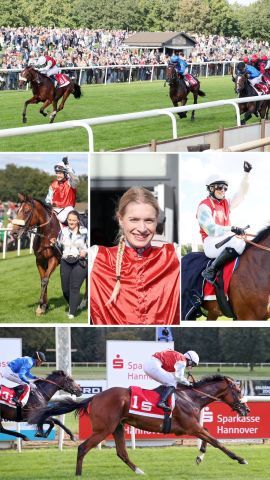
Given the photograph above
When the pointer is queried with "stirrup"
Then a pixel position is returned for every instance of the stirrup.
(164, 406)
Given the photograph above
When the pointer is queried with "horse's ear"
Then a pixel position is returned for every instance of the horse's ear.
(21, 197)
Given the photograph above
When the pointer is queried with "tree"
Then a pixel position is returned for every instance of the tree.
(192, 16)
(222, 20)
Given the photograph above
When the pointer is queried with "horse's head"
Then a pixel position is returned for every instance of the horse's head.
(232, 395)
(240, 82)
(25, 216)
(65, 382)
(29, 74)
(171, 73)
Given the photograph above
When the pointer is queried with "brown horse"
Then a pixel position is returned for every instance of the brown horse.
(244, 89)
(39, 397)
(250, 284)
(34, 214)
(109, 411)
(44, 91)
(179, 90)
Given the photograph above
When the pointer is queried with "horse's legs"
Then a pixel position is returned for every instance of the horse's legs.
(119, 437)
(34, 99)
(195, 100)
(45, 274)
(206, 437)
(54, 112)
(12, 433)
(45, 105)
(65, 97)
(89, 443)
(203, 448)
(61, 425)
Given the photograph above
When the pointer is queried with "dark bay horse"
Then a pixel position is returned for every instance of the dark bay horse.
(249, 288)
(179, 90)
(44, 91)
(39, 397)
(109, 411)
(244, 89)
(34, 214)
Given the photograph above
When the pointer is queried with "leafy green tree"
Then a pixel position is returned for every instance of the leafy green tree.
(192, 16)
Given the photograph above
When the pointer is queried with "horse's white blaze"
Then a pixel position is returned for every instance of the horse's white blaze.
(139, 471)
(17, 221)
(23, 79)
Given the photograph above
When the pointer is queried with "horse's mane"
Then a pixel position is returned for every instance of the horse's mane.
(56, 373)
(211, 378)
(47, 206)
(262, 235)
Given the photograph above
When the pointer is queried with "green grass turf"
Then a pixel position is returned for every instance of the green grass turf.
(20, 290)
(167, 463)
(103, 100)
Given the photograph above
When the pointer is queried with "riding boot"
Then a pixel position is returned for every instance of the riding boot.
(18, 390)
(226, 255)
(166, 392)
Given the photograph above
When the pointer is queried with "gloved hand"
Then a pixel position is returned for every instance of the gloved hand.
(238, 230)
(65, 160)
(247, 167)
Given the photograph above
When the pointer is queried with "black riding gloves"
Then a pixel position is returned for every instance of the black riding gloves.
(238, 230)
(65, 160)
(247, 167)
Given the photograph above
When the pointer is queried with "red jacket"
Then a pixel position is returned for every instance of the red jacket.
(63, 194)
(50, 59)
(169, 358)
(220, 211)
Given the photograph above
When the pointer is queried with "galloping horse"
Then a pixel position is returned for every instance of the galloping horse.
(44, 91)
(244, 89)
(179, 90)
(249, 288)
(46, 388)
(34, 214)
(109, 411)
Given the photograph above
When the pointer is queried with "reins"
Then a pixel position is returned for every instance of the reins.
(257, 245)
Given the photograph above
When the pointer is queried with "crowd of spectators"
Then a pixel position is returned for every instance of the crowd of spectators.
(94, 48)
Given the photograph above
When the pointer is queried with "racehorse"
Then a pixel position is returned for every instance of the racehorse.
(46, 388)
(44, 91)
(179, 90)
(34, 214)
(249, 287)
(244, 89)
(109, 411)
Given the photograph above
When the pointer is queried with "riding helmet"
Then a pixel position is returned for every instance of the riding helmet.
(41, 61)
(216, 179)
(39, 356)
(60, 168)
(192, 356)
(241, 66)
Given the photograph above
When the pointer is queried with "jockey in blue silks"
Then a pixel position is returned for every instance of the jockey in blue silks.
(180, 63)
(254, 76)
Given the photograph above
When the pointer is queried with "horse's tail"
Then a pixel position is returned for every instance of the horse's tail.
(40, 415)
(201, 93)
(77, 92)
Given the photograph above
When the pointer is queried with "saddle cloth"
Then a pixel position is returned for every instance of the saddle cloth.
(191, 80)
(209, 289)
(143, 402)
(7, 394)
(62, 79)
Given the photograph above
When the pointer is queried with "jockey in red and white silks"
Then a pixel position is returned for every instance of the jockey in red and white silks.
(62, 191)
(214, 219)
(47, 65)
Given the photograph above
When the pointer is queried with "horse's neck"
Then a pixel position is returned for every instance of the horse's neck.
(213, 390)
(47, 389)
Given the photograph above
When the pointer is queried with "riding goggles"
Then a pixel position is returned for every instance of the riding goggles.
(221, 187)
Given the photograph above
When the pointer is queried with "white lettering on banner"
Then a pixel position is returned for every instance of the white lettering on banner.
(236, 430)
(235, 419)
(145, 406)
(208, 415)
(137, 376)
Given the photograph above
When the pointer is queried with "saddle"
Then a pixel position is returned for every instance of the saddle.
(7, 394)
(195, 289)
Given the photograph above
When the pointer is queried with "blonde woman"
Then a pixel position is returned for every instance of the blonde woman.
(135, 283)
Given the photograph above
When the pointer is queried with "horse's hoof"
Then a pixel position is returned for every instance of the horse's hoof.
(243, 122)
(39, 434)
(40, 311)
(26, 439)
(199, 459)
(24, 120)
(243, 462)
(192, 119)
(139, 471)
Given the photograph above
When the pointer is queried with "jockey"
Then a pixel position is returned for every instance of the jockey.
(62, 191)
(47, 66)
(18, 371)
(168, 368)
(254, 76)
(214, 219)
(180, 64)
(255, 61)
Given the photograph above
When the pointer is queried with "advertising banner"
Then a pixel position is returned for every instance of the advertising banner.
(125, 361)
(10, 348)
(89, 388)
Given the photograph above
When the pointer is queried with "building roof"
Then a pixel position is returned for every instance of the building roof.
(160, 39)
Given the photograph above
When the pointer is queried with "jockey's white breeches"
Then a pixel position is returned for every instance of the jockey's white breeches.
(253, 81)
(51, 71)
(62, 213)
(211, 251)
(154, 370)
(12, 376)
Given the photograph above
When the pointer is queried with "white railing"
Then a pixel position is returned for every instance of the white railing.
(125, 73)
(5, 242)
(88, 123)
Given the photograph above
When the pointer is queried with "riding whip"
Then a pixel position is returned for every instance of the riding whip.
(227, 239)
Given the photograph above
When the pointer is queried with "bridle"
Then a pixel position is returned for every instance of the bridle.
(29, 218)
(236, 403)
(173, 76)
(53, 383)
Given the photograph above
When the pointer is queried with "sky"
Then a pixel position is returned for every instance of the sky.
(195, 168)
(243, 2)
(46, 161)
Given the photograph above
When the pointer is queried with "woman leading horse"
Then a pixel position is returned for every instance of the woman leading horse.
(109, 411)
(44, 91)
